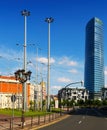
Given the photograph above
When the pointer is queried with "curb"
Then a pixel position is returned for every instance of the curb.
(47, 124)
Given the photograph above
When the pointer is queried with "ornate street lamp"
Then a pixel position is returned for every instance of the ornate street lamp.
(22, 77)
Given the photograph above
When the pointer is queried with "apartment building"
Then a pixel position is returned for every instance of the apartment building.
(73, 94)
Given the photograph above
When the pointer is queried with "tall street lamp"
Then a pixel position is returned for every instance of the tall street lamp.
(22, 77)
(25, 13)
(48, 20)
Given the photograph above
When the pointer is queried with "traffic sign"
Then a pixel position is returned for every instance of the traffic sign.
(13, 98)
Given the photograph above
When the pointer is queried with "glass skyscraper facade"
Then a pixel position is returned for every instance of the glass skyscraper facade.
(94, 58)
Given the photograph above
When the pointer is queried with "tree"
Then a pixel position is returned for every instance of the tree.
(80, 102)
(104, 102)
(31, 105)
(43, 103)
(97, 103)
(52, 103)
(72, 102)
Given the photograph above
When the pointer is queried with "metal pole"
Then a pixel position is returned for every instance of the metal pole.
(24, 84)
(42, 94)
(13, 113)
(48, 20)
(25, 39)
(36, 89)
(48, 78)
(25, 13)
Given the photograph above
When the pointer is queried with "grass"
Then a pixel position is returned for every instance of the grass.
(56, 110)
(10, 112)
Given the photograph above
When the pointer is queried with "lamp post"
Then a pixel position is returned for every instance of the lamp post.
(22, 77)
(48, 20)
(25, 13)
(81, 82)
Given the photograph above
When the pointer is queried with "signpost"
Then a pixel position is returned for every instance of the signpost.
(13, 99)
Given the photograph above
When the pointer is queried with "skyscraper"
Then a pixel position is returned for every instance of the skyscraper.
(94, 58)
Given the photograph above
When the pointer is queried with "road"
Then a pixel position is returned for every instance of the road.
(82, 119)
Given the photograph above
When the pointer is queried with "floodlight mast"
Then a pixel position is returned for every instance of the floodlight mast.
(49, 21)
(25, 13)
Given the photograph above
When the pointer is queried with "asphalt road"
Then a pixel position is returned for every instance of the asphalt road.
(82, 119)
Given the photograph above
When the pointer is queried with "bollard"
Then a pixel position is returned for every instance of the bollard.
(38, 119)
(10, 124)
(23, 121)
(31, 121)
(49, 117)
(44, 119)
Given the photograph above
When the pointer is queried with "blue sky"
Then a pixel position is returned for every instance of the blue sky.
(67, 37)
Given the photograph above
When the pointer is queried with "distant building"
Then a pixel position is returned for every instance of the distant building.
(73, 94)
(104, 93)
(94, 58)
(38, 94)
(8, 87)
(54, 99)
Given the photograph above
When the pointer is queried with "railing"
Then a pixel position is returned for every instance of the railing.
(33, 121)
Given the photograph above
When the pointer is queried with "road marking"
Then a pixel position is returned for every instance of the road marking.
(79, 122)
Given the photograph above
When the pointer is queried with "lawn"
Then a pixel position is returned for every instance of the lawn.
(11, 112)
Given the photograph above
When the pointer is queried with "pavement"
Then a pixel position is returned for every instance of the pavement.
(31, 123)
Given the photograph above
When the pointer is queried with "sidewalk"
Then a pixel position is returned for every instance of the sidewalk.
(6, 122)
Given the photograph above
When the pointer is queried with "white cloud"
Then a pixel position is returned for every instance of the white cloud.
(11, 55)
(45, 60)
(74, 71)
(56, 87)
(105, 72)
(63, 79)
(42, 60)
(72, 63)
(52, 60)
(67, 61)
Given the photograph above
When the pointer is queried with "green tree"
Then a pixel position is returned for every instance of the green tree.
(104, 102)
(31, 105)
(80, 102)
(88, 103)
(72, 103)
(52, 103)
(44, 104)
(97, 103)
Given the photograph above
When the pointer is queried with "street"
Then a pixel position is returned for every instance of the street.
(82, 119)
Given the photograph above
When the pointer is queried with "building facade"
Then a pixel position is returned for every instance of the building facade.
(9, 87)
(73, 94)
(104, 93)
(94, 58)
(38, 94)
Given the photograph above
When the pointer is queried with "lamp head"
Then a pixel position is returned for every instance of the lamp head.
(49, 20)
(25, 13)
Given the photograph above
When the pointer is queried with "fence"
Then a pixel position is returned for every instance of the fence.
(33, 121)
